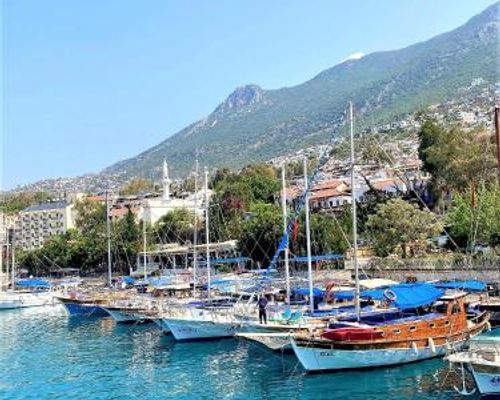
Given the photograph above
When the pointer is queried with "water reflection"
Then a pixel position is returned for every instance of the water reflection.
(50, 356)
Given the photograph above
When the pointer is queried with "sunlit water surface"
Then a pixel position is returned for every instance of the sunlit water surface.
(46, 355)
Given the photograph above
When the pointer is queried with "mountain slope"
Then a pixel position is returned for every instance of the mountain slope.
(256, 124)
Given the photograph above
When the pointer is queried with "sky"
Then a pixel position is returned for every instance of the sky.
(88, 83)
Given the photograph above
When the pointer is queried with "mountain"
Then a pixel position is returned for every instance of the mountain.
(257, 124)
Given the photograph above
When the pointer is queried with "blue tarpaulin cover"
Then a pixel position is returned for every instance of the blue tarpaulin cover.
(34, 283)
(321, 257)
(160, 281)
(407, 295)
(344, 295)
(468, 286)
(232, 260)
(305, 292)
(128, 280)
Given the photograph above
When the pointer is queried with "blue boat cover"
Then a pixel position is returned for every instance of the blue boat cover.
(128, 280)
(305, 292)
(232, 260)
(321, 257)
(344, 295)
(468, 286)
(406, 295)
(33, 283)
(160, 281)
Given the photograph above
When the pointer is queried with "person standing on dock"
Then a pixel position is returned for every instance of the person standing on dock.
(262, 303)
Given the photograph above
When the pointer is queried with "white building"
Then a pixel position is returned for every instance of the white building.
(40, 222)
(154, 208)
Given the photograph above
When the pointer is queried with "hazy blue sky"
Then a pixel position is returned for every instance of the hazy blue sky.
(87, 83)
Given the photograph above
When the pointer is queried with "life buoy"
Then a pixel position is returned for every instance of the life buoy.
(390, 295)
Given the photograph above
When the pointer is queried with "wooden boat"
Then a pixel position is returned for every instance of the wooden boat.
(399, 341)
(19, 299)
(353, 334)
(493, 307)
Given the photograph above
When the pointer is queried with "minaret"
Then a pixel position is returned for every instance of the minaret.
(166, 181)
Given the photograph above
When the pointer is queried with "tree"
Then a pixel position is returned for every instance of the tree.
(15, 202)
(176, 226)
(127, 242)
(137, 186)
(457, 159)
(234, 196)
(398, 223)
(474, 217)
(327, 234)
(261, 233)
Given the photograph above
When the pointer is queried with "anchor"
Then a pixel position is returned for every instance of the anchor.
(464, 391)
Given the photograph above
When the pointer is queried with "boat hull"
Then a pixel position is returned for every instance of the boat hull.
(273, 341)
(162, 325)
(487, 382)
(124, 316)
(185, 329)
(320, 359)
(78, 309)
(26, 300)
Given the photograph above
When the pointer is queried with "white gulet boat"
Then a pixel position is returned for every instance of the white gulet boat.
(31, 293)
(483, 361)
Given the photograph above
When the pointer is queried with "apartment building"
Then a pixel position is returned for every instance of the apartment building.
(40, 222)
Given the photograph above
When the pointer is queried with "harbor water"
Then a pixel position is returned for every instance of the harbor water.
(44, 354)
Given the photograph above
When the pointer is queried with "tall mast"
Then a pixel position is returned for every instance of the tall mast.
(354, 221)
(1, 267)
(108, 234)
(497, 136)
(195, 238)
(13, 268)
(308, 238)
(285, 233)
(207, 232)
(144, 248)
(2, 275)
(7, 261)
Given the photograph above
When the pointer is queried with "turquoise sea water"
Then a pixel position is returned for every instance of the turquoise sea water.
(46, 355)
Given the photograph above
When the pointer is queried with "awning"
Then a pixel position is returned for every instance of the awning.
(404, 296)
(468, 286)
(33, 283)
(305, 292)
(322, 257)
(233, 260)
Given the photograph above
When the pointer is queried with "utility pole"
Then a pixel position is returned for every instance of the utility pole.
(497, 136)
(207, 232)
(108, 234)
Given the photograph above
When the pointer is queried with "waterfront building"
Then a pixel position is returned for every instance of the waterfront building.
(153, 208)
(38, 223)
